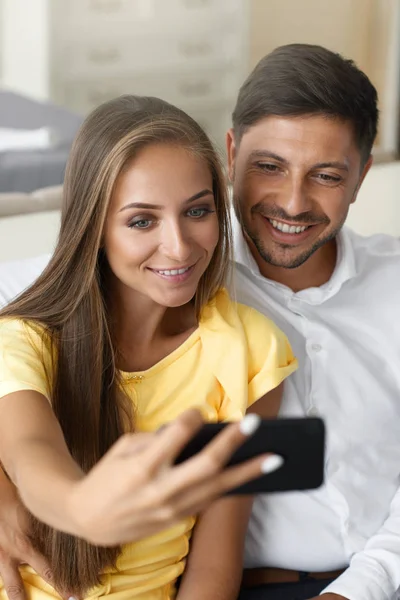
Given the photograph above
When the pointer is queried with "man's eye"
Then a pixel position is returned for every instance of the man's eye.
(140, 224)
(271, 168)
(329, 178)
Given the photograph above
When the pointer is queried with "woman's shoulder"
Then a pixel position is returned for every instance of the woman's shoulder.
(21, 326)
(246, 351)
(17, 331)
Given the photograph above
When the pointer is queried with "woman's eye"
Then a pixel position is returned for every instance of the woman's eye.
(197, 213)
(141, 224)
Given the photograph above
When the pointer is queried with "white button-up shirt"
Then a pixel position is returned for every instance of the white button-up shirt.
(346, 336)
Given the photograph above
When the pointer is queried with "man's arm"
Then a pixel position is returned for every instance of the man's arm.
(214, 568)
(215, 563)
(15, 547)
(374, 573)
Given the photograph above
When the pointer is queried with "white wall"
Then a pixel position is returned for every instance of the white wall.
(368, 31)
(24, 51)
(377, 208)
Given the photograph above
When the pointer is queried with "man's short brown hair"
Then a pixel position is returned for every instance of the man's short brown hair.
(303, 79)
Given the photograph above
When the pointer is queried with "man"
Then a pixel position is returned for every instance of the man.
(303, 128)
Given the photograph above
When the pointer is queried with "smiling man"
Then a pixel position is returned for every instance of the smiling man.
(303, 129)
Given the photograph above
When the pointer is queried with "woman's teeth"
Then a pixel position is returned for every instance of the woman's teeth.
(174, 271)
(285, 228)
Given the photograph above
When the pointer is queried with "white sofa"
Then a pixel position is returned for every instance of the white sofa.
(29, 223)
(16, 275)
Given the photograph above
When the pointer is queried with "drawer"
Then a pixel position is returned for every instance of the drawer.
(197, 9)
(111, 19)
(83, 96)
(92, 13)
(112, 58)
(205, 88)
(199, 87)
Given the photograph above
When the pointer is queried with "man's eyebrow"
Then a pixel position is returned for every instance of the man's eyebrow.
(145, 205)
(343, 166)
(267, 154)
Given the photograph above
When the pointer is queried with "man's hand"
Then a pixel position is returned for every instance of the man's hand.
(15, 547)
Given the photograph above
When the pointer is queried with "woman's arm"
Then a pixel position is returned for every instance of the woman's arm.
(215, 563)
(35, 456)
(139, 466)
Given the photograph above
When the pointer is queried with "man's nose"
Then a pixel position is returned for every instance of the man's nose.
(294, 199)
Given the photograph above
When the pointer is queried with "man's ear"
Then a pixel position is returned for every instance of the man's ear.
(231, 153)
(364, 172)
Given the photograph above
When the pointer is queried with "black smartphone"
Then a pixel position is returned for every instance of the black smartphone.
(300, 441)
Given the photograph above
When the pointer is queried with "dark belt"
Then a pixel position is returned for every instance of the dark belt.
(271, 575)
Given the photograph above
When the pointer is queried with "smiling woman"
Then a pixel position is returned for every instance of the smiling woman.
(162, 230)
(127, 328)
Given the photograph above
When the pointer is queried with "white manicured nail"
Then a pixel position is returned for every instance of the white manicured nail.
(72, 598)
(272, 463)
(249, 424)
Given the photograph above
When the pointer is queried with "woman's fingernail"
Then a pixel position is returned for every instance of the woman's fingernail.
(72, 598)
(249, 424)
(272, 463)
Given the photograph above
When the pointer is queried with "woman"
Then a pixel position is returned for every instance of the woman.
(128, 326)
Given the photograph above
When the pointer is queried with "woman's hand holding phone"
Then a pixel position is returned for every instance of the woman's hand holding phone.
(146, 492)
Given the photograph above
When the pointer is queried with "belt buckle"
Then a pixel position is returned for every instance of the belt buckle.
(305, 576)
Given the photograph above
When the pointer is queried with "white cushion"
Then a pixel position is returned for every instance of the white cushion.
(16, 275)
(24, 139)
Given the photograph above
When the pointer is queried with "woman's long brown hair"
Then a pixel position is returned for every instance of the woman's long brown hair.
(69, 304)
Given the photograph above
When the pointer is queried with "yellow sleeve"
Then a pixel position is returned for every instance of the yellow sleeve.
(270, 356)
(24, 358)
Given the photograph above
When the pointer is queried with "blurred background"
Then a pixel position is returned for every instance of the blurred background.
(61, 58)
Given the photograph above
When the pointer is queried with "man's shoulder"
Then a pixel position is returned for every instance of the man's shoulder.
(376, 258)
(379, 244)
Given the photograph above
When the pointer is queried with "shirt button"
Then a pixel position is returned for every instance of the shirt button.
(316, 347)
(312, 412)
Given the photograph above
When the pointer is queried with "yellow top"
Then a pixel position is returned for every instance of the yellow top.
(235, 356)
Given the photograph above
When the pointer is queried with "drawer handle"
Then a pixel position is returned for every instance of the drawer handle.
(104, 56)
(201, 88)
(196, 4)
(105, 6)
(194, 49)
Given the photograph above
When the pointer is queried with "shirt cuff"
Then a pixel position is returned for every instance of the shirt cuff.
(362, 584)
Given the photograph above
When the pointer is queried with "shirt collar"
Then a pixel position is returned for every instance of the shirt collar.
(345, 268)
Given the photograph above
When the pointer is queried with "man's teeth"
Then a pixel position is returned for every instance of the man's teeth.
(285, 228)
(174, 271)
